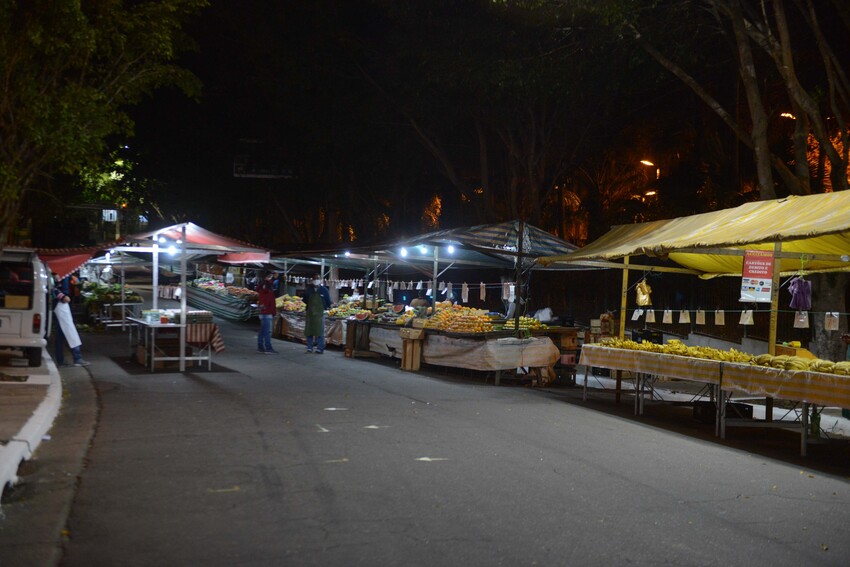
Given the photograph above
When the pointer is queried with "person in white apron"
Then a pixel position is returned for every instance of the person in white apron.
(65, 328)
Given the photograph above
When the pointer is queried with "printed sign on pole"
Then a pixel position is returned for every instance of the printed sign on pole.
(757, 277)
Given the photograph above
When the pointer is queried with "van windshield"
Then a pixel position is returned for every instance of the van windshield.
(16, 285)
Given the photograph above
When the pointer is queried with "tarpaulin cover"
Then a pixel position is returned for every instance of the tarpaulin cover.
(473, 353)
(64, 261)
(200, 238)
(807, 225)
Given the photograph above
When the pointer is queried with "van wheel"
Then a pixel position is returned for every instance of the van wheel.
(34, 356)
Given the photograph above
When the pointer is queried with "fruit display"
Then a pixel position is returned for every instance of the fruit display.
(677, 347)
(98, 293)
(242, 293)
(346, 310)
(528, 323)
(213, 285)
(291, 303)
(780, 362)
(459, 319)
(405, 318)
(209, 284)
(784, 362)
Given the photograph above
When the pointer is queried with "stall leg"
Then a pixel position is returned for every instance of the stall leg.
(722, 396)
(498, 377)
(619, 386)
(584, 387)
(642, 388)
(637, 396)
(804, 430)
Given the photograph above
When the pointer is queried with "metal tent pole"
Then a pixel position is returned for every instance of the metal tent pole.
(183, 300)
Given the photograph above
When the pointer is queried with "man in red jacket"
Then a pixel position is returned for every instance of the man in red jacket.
(267, 311)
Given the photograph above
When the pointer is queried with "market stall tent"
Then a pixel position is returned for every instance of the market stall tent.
(814, 228)
(804, 234)
(810, 233)
(189, 241)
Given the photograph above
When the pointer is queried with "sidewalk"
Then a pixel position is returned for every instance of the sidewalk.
(29, 402)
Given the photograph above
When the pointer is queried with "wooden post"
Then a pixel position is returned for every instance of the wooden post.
(774, 316)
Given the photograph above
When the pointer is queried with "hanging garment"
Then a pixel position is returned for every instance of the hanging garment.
(801, 294)
(831, 321)
(643, 292)
(801, 320)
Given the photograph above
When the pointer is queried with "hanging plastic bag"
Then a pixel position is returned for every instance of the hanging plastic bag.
(746, 317)
(801, 320)
(637, 314)
(650, 315)
(643, 294)
(700, 317)
(719, 317)
(684, 317)
(668, 316)
(830, 323)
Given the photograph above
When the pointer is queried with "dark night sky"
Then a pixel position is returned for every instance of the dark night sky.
(286, 73)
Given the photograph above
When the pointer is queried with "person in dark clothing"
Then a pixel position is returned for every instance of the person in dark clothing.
(267, 310)
(317, 298)
(65, 329)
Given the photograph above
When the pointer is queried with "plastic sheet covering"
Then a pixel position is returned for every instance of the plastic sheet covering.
(385, 341)
(489, 354)
(292, 326)
(669, 365)
(812, 387)
(473, 353)
(225, 306)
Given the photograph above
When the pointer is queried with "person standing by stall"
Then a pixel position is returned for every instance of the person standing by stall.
(317, 298)
(65, 328)
(267, 310)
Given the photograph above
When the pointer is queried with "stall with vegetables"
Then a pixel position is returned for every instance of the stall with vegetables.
(178, 245)
(459, 327)
(767, 245)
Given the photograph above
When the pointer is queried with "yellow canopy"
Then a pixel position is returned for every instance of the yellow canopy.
(814, 231)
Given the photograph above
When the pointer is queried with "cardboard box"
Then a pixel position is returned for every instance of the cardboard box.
(17, 302)
(412, 334)
(411, 357)
(568, 359)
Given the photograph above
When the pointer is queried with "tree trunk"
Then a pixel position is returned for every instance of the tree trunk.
(757, 114)
(828, 294)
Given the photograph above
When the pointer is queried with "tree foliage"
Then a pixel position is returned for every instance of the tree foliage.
(69, 70)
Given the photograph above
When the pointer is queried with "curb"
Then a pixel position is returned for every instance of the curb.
(23, 445)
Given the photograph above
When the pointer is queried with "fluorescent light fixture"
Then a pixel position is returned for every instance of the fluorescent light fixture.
(172, 250)
(451, 249)
(347, 253)
(161, 239)
(423, 249)
(404, 252)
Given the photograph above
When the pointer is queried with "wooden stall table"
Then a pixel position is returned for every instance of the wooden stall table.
(204, 338)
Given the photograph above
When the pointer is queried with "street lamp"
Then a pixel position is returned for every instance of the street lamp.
(648, 163)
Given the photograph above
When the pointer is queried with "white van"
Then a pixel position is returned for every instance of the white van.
(25, 289)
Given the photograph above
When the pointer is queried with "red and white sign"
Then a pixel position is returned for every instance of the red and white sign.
(757, 276)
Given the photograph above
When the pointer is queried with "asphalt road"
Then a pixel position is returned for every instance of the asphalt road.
(300, 459)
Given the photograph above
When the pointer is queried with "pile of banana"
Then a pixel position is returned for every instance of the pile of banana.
(784, 362)
(677, 347)
(781, 362)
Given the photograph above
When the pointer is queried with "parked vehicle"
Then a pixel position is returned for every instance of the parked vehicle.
(25, 287)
